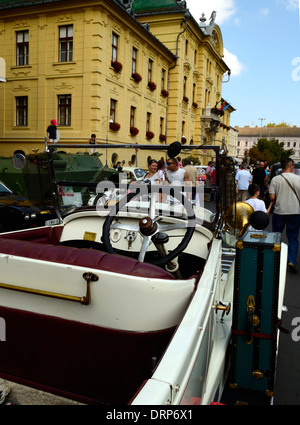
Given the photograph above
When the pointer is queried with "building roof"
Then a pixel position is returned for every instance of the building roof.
(8, 4)
(268, 132)
(148, 6)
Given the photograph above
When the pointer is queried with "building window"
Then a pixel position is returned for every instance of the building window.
(114, 47)
(64, 110)
(184, 86)
(163, 78)
(65, 43)
(183, 128)
(161, 125)
(113, 110)
(195, 57)
(150, 67)
(22, 111)
(22, 48)
(133, 61)
(132, 116)
(148, 122)
(186, 47)
(194, 92)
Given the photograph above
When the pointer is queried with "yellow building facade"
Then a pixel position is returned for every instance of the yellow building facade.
(110, 68)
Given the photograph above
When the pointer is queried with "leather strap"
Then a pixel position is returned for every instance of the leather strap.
(292, 187)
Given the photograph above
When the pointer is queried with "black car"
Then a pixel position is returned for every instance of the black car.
(17, 212)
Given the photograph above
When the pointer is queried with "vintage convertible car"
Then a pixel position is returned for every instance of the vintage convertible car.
(134, 302)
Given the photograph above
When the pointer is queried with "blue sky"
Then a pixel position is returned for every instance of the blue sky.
(262, 48)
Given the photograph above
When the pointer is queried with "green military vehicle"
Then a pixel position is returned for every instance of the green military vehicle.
(30, 176)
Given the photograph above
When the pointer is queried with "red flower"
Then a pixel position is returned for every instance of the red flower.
(137, 77)
(134, 131)
(152, 85)
(149, 135)
(164, 93)
(114, 126)
(117, 66)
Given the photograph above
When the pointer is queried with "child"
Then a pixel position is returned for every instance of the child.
(257, 204)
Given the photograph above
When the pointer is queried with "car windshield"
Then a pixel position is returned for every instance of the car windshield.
(4, 189)
(77, 178)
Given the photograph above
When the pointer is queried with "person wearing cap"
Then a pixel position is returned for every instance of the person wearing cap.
(52, 132)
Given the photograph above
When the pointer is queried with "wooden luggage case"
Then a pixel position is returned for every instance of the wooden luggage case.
(255, 312)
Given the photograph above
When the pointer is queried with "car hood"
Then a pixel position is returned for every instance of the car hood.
(22, 202)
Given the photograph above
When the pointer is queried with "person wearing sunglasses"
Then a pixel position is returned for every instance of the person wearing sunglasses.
(174, 173)
(177, 176)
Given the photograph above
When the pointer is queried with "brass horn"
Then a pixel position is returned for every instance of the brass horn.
(238, 217)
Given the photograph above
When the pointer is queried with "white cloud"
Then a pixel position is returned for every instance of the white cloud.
(264, 11)
(233, 63)
(224, 8)
(291, 4)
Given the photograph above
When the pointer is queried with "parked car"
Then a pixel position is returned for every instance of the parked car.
(276, 170)
(133, 173)
(17, 212)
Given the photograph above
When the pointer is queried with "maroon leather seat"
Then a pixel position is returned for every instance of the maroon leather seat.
(91, 259)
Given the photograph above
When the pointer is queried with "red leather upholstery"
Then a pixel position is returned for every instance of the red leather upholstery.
(81, 257)
(45, 234)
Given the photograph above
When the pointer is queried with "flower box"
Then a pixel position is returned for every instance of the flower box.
(149, 135)
(117, 66)
(137, 77)
(114, 126)
(164, 93)
(162, 137)
(195, 105)
(185, 99)
(134, 131)
(152, 85)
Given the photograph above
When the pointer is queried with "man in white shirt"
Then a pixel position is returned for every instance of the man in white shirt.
(243, 178)
(177, 176)
(174, 173)
(285, 191)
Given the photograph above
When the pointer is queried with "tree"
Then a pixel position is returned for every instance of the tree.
(268, 150)
(282, 124)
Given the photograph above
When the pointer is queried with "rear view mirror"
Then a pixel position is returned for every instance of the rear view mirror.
(19, 161)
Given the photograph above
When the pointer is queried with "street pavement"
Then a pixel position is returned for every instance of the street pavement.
(287, 384)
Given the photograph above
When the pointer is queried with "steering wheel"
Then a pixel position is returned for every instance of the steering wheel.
(149, 226)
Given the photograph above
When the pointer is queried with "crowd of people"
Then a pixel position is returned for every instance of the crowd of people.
(281, 195)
